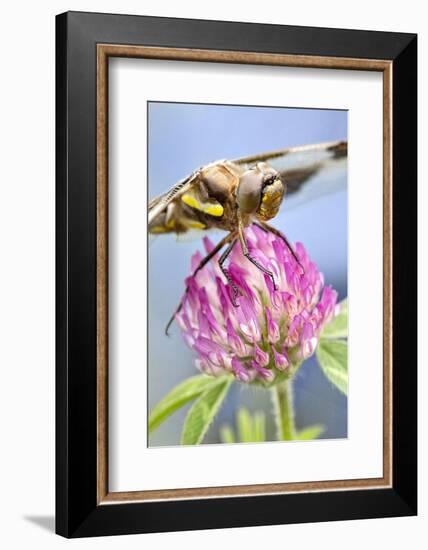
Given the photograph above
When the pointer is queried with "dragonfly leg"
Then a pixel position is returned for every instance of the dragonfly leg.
(202, 263)
(247, 254)
(225, 271)
(268, 228)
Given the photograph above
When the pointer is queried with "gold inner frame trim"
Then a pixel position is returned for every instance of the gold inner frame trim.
(104, 51)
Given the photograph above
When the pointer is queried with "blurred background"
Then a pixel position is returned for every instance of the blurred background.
(183, 137)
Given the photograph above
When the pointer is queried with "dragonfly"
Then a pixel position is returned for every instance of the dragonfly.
(233, 194)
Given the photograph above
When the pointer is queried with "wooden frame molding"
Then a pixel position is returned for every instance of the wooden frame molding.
(104, 52)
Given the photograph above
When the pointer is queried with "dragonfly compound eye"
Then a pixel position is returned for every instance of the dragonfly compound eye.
(249, 193)
(272, 195)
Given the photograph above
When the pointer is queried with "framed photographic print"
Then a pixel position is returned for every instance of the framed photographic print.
(236, 274)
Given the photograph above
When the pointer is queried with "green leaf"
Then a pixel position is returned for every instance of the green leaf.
(245, 425)
(259, 427)
(227, 435)
(332, 356)
(251, 428)
(311, 432)
(203, 411)
(178, 397)
(338, 328)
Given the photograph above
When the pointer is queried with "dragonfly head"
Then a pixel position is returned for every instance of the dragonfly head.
(260, 192)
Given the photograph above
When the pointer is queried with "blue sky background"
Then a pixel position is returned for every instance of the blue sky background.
(183, 137)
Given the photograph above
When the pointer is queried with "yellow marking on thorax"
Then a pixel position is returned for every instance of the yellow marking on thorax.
(192, 224)
(159, 229)
(213, 209)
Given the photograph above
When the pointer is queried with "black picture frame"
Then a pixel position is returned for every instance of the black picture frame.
(78, 513)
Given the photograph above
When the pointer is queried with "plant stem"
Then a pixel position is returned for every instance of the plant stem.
(282, 396)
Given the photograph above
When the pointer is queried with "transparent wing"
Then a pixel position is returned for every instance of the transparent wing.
(309, 171)
(158, 204)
